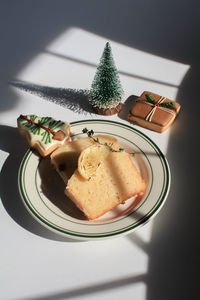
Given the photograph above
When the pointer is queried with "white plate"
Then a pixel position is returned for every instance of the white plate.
(42, 190)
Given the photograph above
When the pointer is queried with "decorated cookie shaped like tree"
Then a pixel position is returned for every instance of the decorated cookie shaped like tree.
(106, 91)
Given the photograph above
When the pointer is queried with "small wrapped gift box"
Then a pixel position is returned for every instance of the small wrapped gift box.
(153, 111)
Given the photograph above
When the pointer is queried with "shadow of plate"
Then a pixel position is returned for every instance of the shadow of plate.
(16, 146)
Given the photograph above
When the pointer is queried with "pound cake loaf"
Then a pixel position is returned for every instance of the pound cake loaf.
(115, 181)
(65, 159)
(44, 134)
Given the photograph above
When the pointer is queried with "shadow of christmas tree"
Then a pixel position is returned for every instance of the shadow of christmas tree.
(76, 100)
(126, 107)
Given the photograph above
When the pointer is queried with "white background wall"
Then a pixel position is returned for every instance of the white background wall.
(168, 29)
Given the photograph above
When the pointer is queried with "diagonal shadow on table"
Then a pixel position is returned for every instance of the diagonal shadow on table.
(173, 269)
(121, 72)
(91, 289)
(76, 100)
(9, 192)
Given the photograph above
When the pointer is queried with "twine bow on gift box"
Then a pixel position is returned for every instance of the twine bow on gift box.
(166, 106)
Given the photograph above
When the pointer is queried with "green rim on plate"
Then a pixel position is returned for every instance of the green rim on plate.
(47, 214)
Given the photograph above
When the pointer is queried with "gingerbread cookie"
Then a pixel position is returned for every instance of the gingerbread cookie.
(44, 134)
(153, 111)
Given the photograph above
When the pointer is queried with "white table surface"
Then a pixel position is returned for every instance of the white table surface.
(151, 263)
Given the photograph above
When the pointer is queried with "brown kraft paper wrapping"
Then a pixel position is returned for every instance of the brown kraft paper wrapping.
(160, 119)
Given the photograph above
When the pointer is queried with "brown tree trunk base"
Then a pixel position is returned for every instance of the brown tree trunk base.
(108, 111)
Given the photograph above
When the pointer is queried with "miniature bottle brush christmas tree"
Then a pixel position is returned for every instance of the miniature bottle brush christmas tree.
(106, 91)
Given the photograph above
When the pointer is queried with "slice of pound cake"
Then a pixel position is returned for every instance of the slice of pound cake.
(97, 180)
(115, 181)
(65, 159)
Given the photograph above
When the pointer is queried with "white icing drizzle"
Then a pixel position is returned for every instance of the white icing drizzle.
(39, 137)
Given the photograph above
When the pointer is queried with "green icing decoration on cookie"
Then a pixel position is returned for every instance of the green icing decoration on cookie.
(35, 126)
(150, 98)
